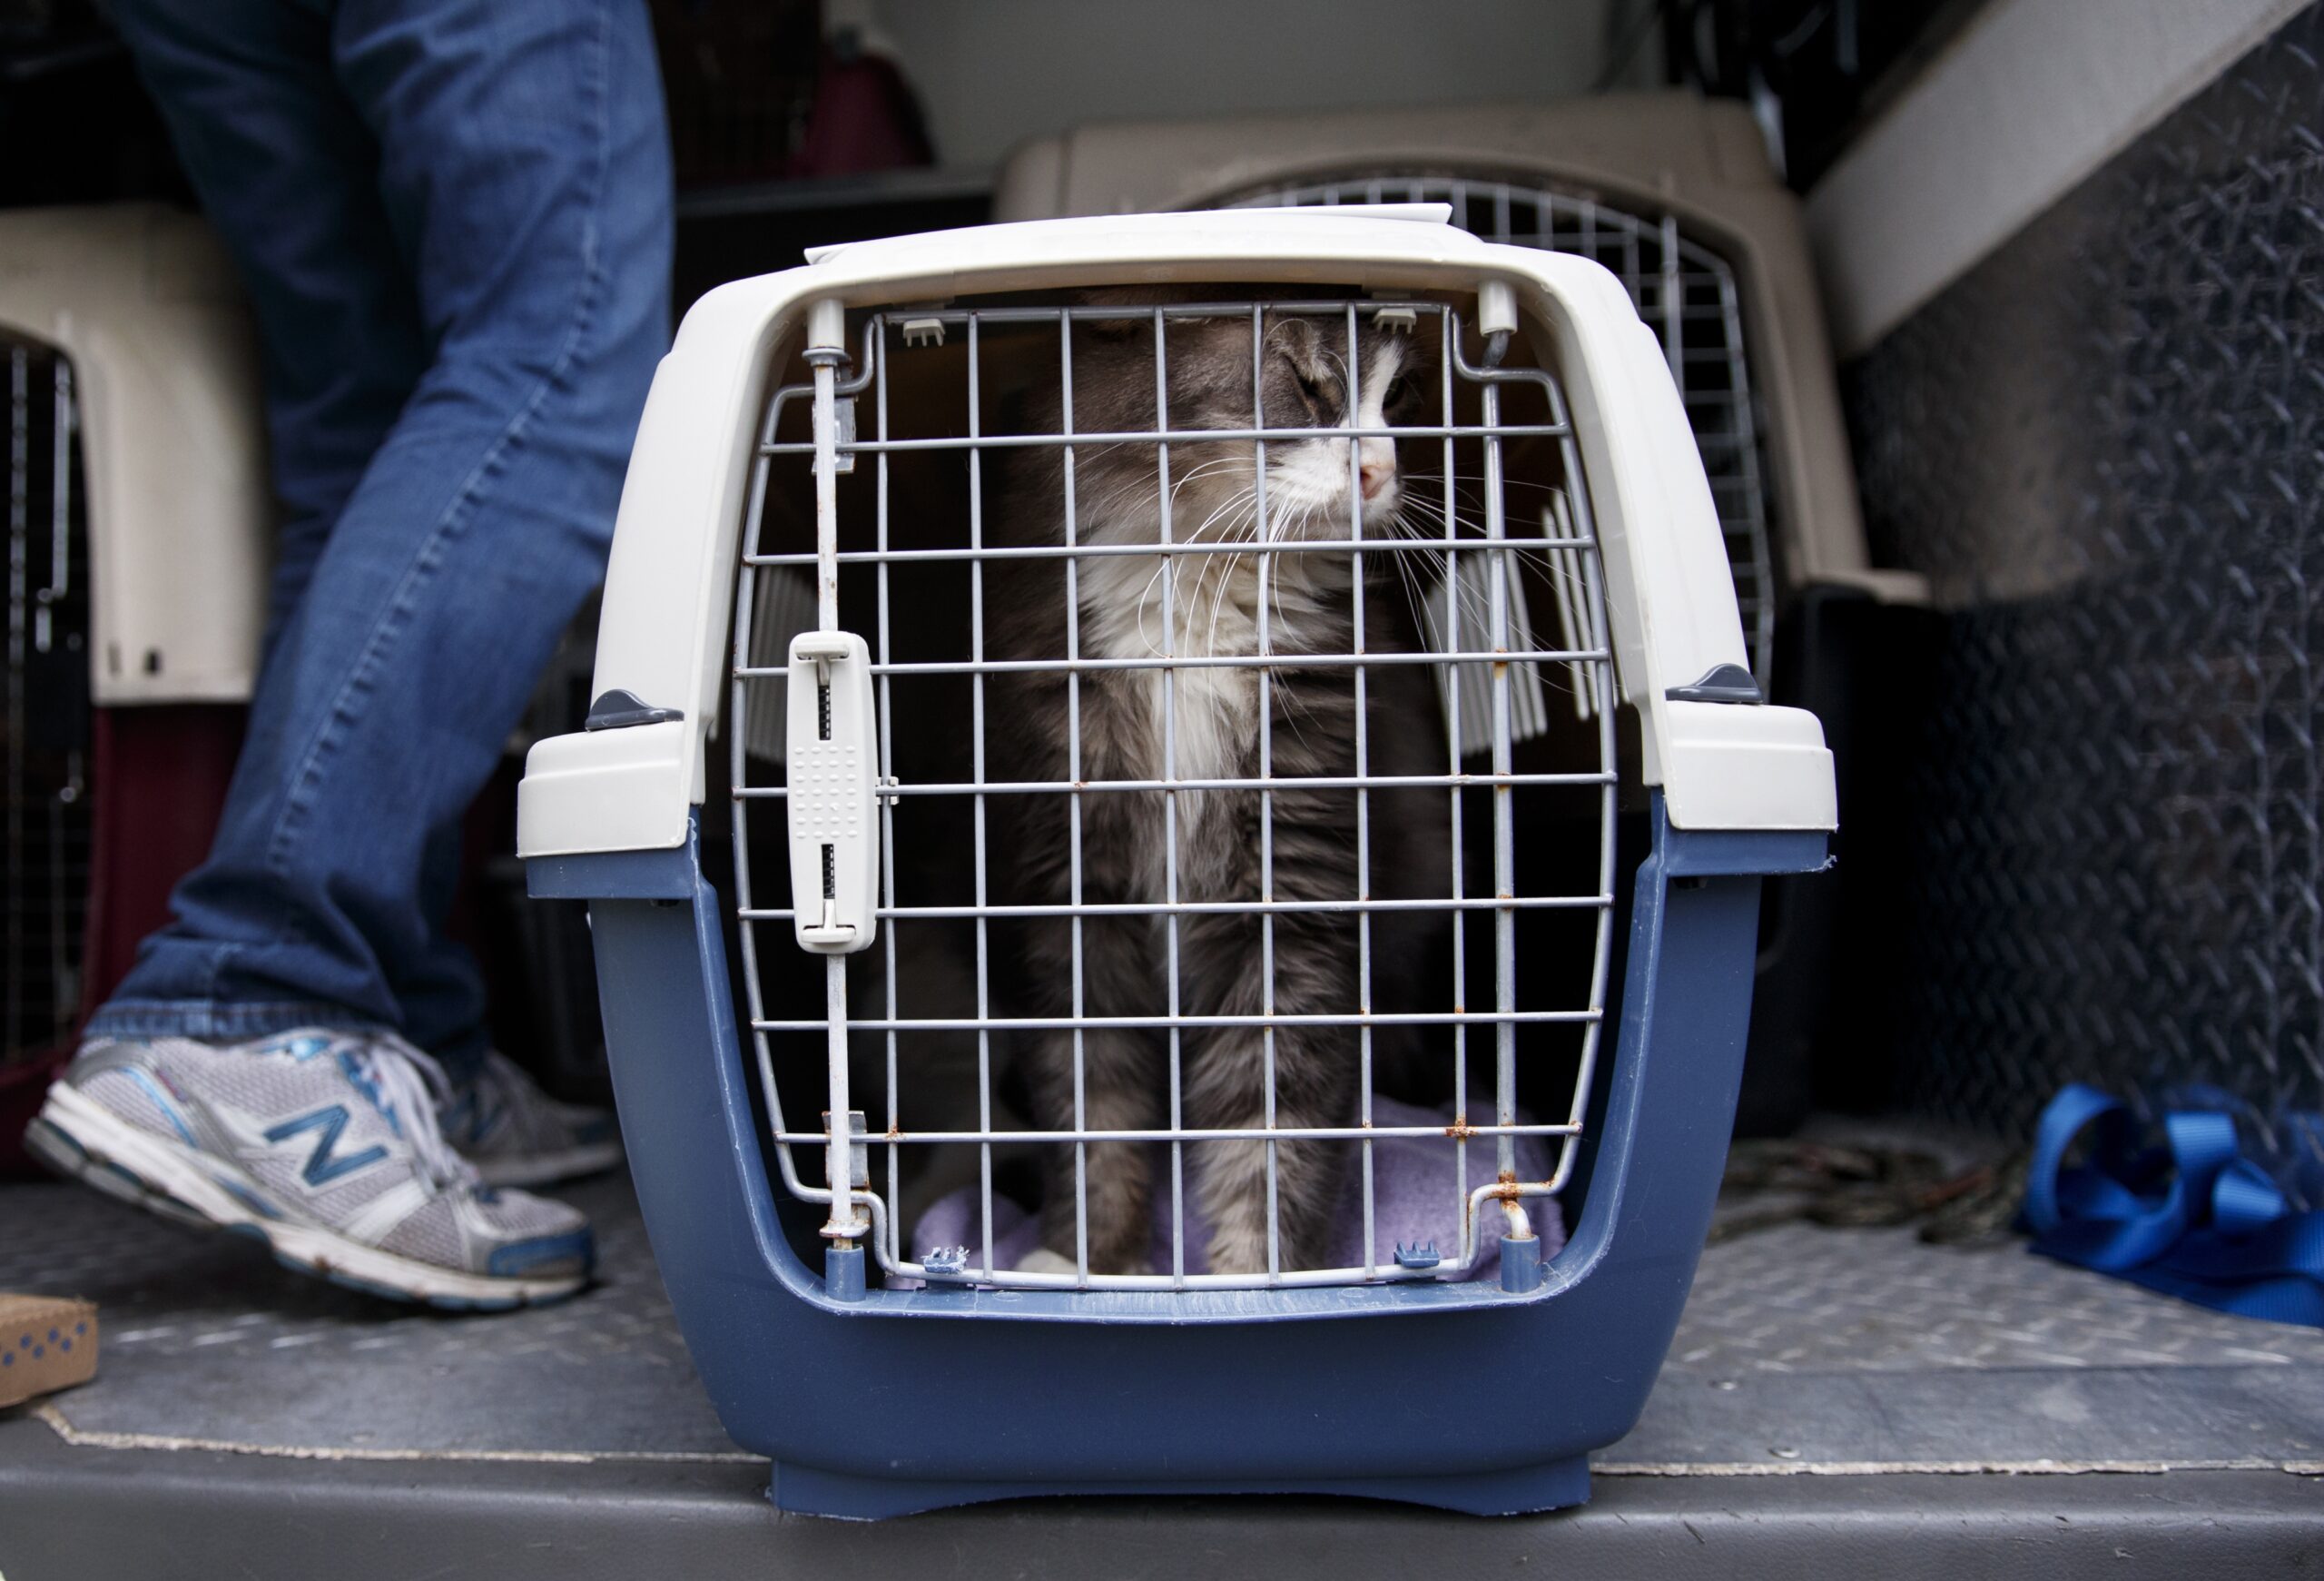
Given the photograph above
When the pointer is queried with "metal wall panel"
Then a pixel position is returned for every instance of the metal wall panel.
(2101, 447)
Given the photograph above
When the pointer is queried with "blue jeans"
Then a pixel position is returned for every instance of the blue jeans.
(454, 221)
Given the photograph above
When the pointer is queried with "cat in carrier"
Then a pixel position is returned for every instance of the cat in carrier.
(1215, 728)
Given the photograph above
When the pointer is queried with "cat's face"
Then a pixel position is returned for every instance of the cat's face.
(1315, 486)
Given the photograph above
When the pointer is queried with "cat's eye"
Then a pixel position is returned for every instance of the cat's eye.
(1307, 385)
(1397, 388)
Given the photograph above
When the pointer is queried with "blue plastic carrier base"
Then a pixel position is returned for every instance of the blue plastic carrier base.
(1526, 1490)
(1464, 1396)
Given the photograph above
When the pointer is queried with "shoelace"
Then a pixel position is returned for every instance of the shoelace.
(411, 1085)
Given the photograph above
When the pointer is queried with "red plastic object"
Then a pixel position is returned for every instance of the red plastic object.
(864, 118)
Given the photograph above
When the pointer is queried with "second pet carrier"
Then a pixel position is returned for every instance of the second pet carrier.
(1173, 825)
(138, 545)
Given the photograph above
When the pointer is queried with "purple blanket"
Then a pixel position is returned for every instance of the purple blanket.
(1412, 1200)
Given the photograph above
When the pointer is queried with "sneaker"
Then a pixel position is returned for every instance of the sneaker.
(517, 1135)
(325, 1146)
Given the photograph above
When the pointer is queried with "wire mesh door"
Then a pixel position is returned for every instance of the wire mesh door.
(47, 721)
(1065, 525)
(1686, 294)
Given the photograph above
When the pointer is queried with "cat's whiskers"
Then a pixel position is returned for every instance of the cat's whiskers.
(1230, 567)
(1507, 482)
(1144, 489)
(1414, 598)
(1472, 605)
(1218, 575)
(1170, 563)
(1162, 563)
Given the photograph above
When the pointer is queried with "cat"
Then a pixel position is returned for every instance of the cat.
(1215, 609)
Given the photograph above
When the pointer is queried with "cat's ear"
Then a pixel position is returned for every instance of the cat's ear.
(1127, 296)
(1295, 336)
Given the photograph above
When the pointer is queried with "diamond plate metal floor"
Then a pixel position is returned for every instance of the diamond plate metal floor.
(1801, 1299)
(206, 1339)
(1818, 1349)
(1802, 1348)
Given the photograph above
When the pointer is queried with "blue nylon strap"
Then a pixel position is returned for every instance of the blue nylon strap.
(2191, 1219)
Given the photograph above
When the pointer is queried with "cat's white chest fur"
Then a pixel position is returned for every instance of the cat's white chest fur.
(1215, 715)
(1201, 717)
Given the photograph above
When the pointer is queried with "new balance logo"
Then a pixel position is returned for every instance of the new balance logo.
(324, 1165)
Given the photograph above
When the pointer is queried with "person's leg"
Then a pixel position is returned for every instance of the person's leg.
(522, 171)
(289, 173)
(455, 227)
(526, 167)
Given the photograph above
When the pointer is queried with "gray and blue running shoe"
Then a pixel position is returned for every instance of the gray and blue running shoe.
(324, 1145)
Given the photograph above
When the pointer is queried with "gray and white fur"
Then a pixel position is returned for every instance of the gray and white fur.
(1212, 720)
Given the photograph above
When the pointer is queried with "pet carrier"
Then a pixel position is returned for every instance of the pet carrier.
(1524, 967)
(137, 555)
(1674, 193)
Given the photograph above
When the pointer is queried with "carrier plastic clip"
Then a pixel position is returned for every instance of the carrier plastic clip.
(832, 760)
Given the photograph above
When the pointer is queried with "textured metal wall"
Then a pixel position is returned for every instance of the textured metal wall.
(2103, 445)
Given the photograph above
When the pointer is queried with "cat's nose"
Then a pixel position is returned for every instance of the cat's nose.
(1377, 476)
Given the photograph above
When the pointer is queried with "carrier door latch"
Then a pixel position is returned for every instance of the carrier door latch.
(834, 767)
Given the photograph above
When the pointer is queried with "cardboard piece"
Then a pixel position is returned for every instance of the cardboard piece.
(46, 1343)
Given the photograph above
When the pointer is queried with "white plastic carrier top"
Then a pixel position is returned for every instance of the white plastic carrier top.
(670, 586)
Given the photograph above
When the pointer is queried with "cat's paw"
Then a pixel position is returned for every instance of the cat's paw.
(1041, 1260)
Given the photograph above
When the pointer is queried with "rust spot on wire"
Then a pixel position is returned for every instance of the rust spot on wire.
(1459, 1131)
